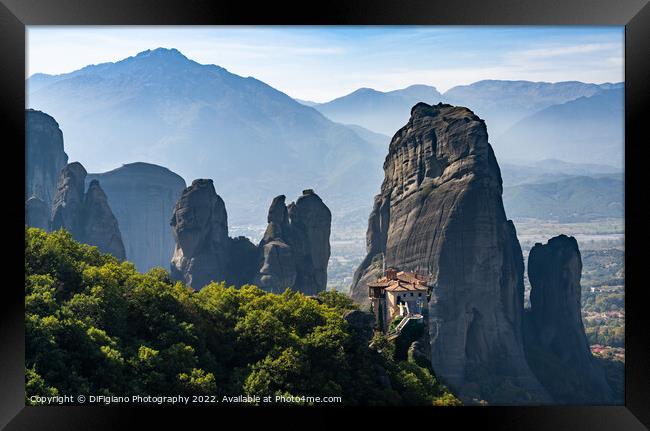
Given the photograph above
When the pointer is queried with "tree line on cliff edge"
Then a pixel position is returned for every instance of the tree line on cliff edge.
(95, 325)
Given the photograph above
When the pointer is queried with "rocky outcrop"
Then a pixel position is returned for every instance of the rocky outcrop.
(37, 213)
(278, 268)
(44, 154)
(99, 225)
(142, 197)
(67, 207)
(293, 252)
(200, 226)
(440, 214)
(86, 215)
(556, 344)
(310, 222)
(295, 248)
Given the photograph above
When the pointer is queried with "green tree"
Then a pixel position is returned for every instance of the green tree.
(96, 325)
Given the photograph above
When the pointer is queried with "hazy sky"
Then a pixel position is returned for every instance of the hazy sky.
(322, 63)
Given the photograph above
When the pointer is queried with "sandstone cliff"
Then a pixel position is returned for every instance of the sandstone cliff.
(278, 269)
(44, 154)
(67, 207)
(295, 248)
(440, 213)
(556, 344)
(86, 215)
(99, 225)
(293, 253)
(200, 226)
(142, 197)
(310, 221)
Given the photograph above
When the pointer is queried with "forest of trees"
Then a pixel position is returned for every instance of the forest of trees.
(95, 325)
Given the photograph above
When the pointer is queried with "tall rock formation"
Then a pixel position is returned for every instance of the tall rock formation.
(556, 344)
(67, 207)
(293, 253)
(45, 156)
(200, 226)
(440, 214)
(99, 225)
(278, 269)
(310, 222)
(86, 215)
(142, 197)
(295, 247)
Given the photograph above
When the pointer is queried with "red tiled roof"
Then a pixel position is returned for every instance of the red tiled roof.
(403, 281)
(410, 277)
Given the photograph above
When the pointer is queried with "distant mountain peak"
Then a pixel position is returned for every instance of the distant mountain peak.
(378, 111)
(418, 87)
(363, 90)
(161, 52)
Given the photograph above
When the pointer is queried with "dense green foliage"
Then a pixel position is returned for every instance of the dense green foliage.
(97, 326)
(599, 332)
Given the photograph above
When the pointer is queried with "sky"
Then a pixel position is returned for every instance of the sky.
(323, 63)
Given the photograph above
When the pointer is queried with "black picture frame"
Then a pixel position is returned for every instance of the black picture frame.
(633, 14)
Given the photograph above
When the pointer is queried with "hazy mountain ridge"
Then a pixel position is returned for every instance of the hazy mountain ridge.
(589, 129)
(203, 121)
(163, 108)
(572, 199)
(382, 112)
(510, 109)
(567, 192)
(552, 170)
(306, 102)
(511, 100)
(378, 139)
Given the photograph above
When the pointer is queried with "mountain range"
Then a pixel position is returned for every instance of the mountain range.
(584, 130)
(255, 142)
(502, 103)
(382, 112)
(567, 199)
(202, 121)
(527, 121)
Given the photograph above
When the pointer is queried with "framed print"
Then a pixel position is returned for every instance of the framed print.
(396, 212)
